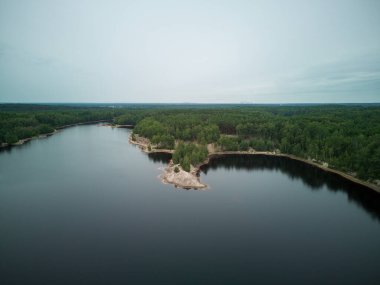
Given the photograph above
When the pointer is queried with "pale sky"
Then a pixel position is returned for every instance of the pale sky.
(315, 51)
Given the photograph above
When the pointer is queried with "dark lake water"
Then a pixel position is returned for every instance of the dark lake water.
(86, 207)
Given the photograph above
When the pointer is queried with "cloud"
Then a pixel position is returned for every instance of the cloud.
(351, 76)
(176, 51)
(361, 73)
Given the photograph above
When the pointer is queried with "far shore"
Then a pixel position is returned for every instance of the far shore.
(144, 147)
(84, 123)
(23, 141)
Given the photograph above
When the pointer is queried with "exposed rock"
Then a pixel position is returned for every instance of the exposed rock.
(181, 178)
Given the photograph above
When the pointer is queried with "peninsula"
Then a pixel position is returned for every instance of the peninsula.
(189, 179)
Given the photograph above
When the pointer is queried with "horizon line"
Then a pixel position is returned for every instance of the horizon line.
(197, 103)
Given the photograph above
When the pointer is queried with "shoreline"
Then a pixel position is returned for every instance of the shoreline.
(144, 147)
(42, 136)
(112, 125)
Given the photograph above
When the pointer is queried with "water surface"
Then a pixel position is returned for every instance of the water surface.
(86, 207)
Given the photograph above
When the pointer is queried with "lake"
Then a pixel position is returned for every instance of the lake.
(85, 207)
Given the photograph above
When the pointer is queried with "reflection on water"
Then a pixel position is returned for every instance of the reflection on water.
(10, 148)
(160, 157)
(312, 176)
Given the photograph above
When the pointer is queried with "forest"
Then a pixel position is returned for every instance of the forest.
(347, 137)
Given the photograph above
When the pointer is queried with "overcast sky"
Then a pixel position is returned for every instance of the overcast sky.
(190, 51)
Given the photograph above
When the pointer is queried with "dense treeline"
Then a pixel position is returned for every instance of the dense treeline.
(345, 136)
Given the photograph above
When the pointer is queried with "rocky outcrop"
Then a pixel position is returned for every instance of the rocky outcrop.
(181, 178)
